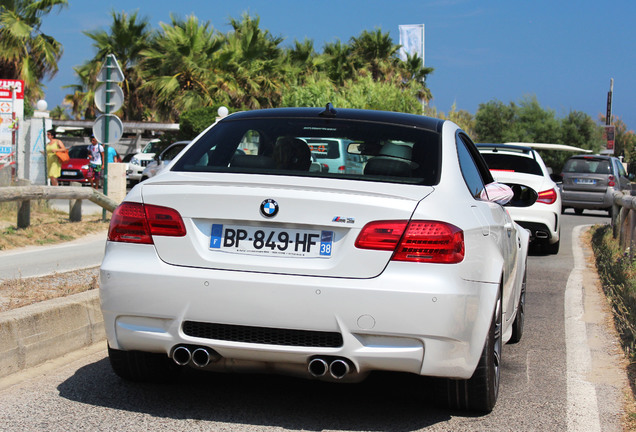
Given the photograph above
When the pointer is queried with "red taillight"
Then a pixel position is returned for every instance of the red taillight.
(610, 181)
(419, 241)
(381, 235)
(342, 169)
(547, 196)
(137, 223)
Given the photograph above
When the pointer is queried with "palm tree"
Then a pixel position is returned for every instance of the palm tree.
(25, 52)
(376, 52)
(338, 62)
(126, 38)
(253, 65)
(179, 67)
(413, 70)
(82, 99)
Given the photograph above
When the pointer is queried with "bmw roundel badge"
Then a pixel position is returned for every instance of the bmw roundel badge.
(269, 208)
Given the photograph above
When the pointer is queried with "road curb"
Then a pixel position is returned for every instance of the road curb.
(34, 334)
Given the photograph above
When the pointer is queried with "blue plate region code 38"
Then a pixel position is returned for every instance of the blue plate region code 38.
(271, 241)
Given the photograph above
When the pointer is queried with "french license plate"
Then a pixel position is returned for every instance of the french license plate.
(586, 181)
(272, 241)
(68, 173)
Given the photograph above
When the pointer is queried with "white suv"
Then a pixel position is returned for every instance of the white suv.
(140, 161)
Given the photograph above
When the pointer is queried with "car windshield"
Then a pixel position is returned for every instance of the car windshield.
(587, 166)
(78, 152)
(152, 147)
(284, 146)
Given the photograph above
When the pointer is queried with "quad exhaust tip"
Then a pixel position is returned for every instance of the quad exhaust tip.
(181, 355)
(337, 368)
(199, 356)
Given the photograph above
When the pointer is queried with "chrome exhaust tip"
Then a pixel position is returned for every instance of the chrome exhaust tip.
(317, 367)
(201, 357)
(181, 355)
(338, 369)
(542, 235)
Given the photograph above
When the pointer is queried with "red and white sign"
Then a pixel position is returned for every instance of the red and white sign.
(6, 85)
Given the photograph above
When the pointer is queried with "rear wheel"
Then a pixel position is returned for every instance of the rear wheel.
(517, 325)
(479, 393)
(142, 366)
(578, 211)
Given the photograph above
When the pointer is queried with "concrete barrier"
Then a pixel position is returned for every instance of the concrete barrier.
(34, 334)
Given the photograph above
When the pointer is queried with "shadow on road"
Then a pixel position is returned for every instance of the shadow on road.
(384, 402)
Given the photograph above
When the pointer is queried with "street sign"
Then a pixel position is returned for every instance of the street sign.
(115, 129)
(110, 71)
(113, 93)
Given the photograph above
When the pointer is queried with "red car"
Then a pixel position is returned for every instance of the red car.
(76, 168)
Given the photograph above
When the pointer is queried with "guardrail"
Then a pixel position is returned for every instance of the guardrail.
(624, 221)
(75, 195)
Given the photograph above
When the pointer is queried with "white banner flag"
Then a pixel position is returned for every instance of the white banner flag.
(412, 40)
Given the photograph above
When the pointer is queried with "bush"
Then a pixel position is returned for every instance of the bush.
(618, 277)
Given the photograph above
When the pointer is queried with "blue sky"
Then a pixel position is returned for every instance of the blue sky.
(562, 52)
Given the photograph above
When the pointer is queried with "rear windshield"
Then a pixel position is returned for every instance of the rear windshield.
(78, 152)
(588, 166)
(505, 162)
(317, 148)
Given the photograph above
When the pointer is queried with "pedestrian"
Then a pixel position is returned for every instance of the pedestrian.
(96, 156)
(53, 162)
(113, 156)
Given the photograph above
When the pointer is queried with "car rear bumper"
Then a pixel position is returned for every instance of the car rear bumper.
(543, 223)
(587, 200)
(432, 325)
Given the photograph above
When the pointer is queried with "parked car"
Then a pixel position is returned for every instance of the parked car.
(589, 182)
(334, 156)
(253, 262)
(524, 171)
(140, 161)
(163, 159)
(76, 169)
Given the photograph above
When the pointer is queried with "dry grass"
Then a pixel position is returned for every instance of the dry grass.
(48, 226)
(16, 293)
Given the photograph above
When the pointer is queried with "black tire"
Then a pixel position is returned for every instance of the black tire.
(142, 366)
(480, 392)
(578, 211)
(520, 319)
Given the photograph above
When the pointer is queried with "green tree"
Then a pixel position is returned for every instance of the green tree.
(493, 122)
(25, 52)
(127, 36)
(376, 54)
(338, 62)
(179, 67)
(253, 65)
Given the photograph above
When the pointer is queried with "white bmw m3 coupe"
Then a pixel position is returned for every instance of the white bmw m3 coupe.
(252, 261)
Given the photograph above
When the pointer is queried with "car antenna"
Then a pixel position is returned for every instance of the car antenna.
(329, 111)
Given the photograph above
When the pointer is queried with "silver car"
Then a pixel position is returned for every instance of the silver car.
(589, 182)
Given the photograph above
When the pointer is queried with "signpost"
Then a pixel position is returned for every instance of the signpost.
(609, 128)
(109, 97)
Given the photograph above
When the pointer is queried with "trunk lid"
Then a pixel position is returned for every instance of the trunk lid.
(312, 232)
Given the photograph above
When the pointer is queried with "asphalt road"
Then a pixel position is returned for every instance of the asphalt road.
(539, 391)
(43, 260)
